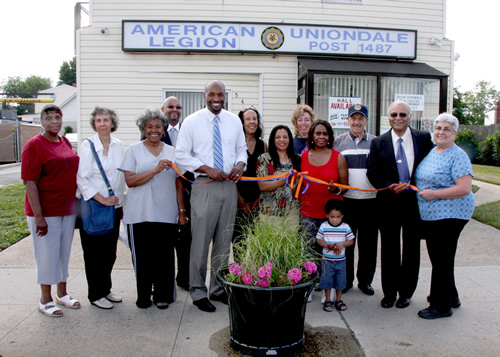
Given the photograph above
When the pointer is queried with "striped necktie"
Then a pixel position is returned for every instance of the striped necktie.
(218, 157)
(404, 172)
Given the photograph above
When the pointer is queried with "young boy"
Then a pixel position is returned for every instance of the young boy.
(334, 236)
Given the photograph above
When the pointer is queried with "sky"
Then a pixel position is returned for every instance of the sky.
(37, 36)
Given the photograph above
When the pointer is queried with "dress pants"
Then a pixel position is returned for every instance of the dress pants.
(213, 210)
(400, 251)
(360, 215)
(442, 240)
(99, 254)
(152, 248)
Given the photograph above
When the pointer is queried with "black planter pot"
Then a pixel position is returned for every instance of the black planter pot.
(267, 321)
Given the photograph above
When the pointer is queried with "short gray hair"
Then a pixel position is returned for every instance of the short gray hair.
(104, 111)
(399, 102)
(151, 114)
(449, 118)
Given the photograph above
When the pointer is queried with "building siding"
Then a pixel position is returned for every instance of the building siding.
(130, 82)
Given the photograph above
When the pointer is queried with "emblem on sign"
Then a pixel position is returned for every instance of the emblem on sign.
(272, 38)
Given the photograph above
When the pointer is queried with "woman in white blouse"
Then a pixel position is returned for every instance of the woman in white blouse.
(99, 252)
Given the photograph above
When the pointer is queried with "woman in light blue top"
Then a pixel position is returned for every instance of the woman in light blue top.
(446, 204)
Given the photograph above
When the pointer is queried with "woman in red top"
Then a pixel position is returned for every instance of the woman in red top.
(48, 171)
(324, 163)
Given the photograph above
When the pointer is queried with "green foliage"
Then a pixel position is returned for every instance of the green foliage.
(280, 241)
(68, 129)
(480, 100)
(67, 73)
(17, 87)
(13, 225)
(467, 140)
(489, 150)
(460, 108)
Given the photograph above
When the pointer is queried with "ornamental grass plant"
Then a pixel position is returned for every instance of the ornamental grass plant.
(274, 252)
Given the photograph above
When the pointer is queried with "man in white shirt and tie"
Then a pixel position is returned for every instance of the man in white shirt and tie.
(212, 145)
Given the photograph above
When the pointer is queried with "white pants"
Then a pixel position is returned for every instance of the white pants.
(52, 250)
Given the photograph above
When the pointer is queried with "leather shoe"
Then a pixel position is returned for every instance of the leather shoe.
(143, 304)
(430, 313)
(366, 289)
(387, 302)
(204, 305)
(402, 302)
(222, 298)
(455, 303)
(162, 305)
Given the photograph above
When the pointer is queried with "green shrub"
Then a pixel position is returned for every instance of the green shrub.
(489, 150)
(467, 140)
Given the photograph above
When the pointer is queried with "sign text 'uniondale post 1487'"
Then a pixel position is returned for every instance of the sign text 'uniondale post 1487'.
(141, 36)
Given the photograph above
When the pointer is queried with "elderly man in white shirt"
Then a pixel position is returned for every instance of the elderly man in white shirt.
(211, 144)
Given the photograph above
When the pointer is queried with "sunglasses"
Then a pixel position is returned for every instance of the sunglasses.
(178, 107)
(401, 115)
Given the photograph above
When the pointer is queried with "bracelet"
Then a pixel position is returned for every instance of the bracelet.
(182, 210)
(340, 192)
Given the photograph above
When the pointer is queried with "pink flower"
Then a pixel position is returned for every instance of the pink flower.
(264, 283)
(295, 275)
(310, 267)
(266, 271)
(247, 278)
(235, 269)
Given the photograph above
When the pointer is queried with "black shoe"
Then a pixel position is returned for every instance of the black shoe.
(204, 305)
(143, 304)
(430, 313)
(162, 305)
(222, 298)
(366, 289)
(387, 302)
(402, 302)
(347, 288)
(455, 303)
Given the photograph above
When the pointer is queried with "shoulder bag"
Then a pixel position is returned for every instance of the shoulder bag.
(98, 219)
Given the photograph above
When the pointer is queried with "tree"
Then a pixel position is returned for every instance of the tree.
(460, 108)
(16, 87)
(480, 100)
(67, 73)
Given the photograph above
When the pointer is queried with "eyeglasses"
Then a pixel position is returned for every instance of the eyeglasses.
(445, 129)
(401, 115)
(178, 107)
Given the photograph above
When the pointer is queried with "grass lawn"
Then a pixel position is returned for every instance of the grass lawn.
(488, 213)
(13, 225)
(490, 174)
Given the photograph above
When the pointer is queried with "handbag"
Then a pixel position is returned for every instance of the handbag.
(98, 219)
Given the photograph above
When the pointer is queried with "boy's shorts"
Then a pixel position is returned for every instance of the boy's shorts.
(333, 275)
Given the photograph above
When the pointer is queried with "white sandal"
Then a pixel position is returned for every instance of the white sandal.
(49, 309)
(68, 301)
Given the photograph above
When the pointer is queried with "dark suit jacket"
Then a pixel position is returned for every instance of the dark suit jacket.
(382, 168)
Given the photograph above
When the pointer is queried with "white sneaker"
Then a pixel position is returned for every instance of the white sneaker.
(114, 298)
(323, 297)
(103, 303)
(310, 297)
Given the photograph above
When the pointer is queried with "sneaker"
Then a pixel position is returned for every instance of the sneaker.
(103, 303)
(310, 297)
(114, 298)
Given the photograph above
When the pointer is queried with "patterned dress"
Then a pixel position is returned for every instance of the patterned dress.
(273, 202)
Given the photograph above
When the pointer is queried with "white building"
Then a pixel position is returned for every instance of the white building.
(269, 53)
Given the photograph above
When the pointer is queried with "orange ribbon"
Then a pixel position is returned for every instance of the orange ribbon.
(301, 177)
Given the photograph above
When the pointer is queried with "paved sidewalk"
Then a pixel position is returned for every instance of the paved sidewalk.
(182, 330)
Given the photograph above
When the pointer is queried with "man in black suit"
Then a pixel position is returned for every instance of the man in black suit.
(173, 111)
(393, 160)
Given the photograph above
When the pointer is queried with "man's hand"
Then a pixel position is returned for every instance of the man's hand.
(216, 174)
(397, 189)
